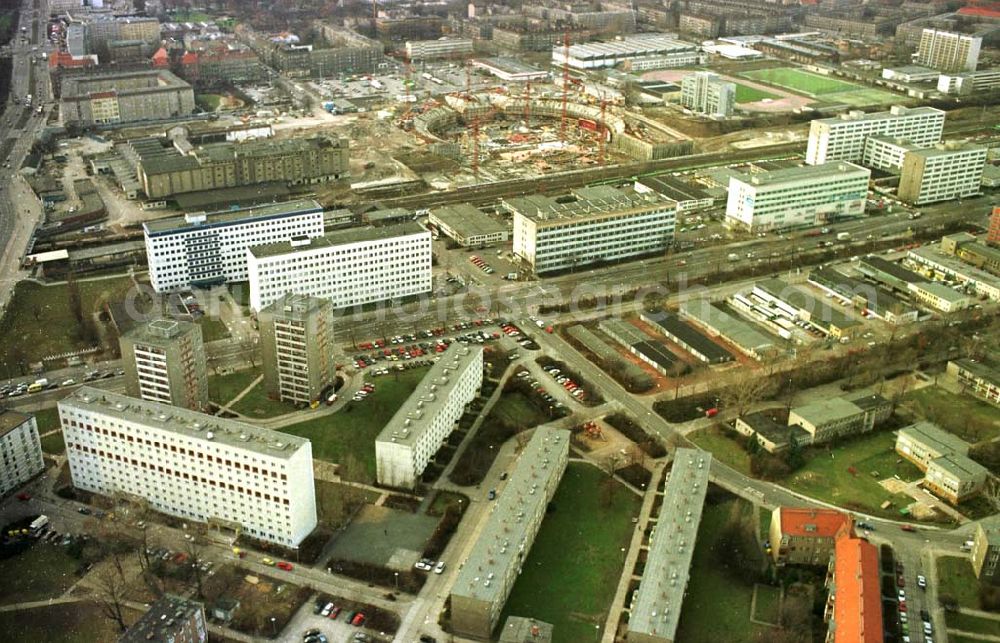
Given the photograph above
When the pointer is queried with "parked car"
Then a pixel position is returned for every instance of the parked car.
(439, 568)
(285, 566)
(267, 561)
(358, 620)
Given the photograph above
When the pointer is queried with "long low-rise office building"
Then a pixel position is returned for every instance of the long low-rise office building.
(494, 562)
(871, 299)
(979, 377)
(948, 471)
(593, 225)
(197, 467)
(793, 303)
(842, 138)
(935, 264)
(352, 267)
(797, 197)
(737, 332)
(200, 249)
(656, 605)
(969, 82)
(425, 420)
(687, 337)
(467, 225)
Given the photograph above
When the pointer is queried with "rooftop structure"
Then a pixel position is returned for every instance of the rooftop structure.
(171, 619)
(855, 592)
(635, 49)
(468, 225)
(525, 630)
(737, 332)
(687, 337)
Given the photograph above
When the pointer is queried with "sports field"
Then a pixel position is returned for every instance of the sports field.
(823, 88)
(748, 94)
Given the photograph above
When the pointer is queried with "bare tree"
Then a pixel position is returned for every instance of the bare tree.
(111, 593)
(194, 549)
(991, 491)
(249, 349)
(742, 389)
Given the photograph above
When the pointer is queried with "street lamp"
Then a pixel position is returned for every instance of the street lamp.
(274, 631)
(396, 576)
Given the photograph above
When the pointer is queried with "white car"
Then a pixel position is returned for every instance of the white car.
(69, 382)
(439, 568)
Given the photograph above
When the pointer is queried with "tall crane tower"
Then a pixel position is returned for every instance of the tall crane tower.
(565, 88)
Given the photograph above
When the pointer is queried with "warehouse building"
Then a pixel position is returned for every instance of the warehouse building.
(872, 300)
(108, 99)
(685, 336)
(593, 225)
(980, 377)
(842, 138)
(966, 247)
(948, 471)
(297, 347)
(838, 417)
(638, 52)
(425, 420)
(487, 576)
(201, 249)
(511, 70)
(940, 297)
(742, 335)
(164, 361)
(467, 225)
(642, 346)
(688, 197)
(20, 450)
(196, 467)
(656, 606)
(797, 197)
(351, 267)
(941, 173)
(793, 303)
(888, 273)
(935, 264)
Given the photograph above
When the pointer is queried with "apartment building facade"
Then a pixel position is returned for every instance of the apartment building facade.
(425, 420)
(796, 197)
(107, 99)
(440, 48)
(978, 377)
(196, 467)
(20, 450)
(806, 536)
(488, 575)
(297, 347)
(164, 361)
(201, 249)
(170, 619)
(842, 138)
(948, 51)
(707, 93)
(941, 173)
(986, 551)
(350, 267)
(602, 224)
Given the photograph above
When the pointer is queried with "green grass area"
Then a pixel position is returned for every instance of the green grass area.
(39, 321)
(72, 623)
(223, 388)
(717, 605)
(970, 623)
(848, 474)
(256, 404)
(353, 429)
(723, 446)
(573, 568)
(191, 15)
(970, 419)
(47, 419)
(240, 292)
(748, 94)
(800, 81)
(764, 515)
(957, 581)
(212, 328)
(208, 102)
(43, 571)
(955, 638)
(768, 606)
(516, 408)
(54, 444)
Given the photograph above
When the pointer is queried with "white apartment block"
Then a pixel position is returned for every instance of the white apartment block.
(441, 48)
(798, 196)
(885, 153)
(422, 424)
(20, 450)
(350, 267)
(975, 81)
(948, 51)
(941, 173)
(200, 248)
(194, 466)
(602, 224)
(842, 138)
(706, 93)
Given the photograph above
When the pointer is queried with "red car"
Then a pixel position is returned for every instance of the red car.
(285, 566)
(908, 528)
(359, 619)
(335, 612)
(24, 496)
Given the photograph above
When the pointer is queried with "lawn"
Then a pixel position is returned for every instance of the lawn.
(970, 419)
(723, 446)
(208, 102)
(212, 329)
(516, 408)
(223, 388)
(54, 444)
(240, 292)
(848, 474)
(800, 81)
(717, 605)
(768, 607)
(256, 404)
(748, 94)
(573, 567)
(354, 428)
(47, 419)
(969, 623)
(43, 571)
(957, 580)
(80, 622)
(39, 321)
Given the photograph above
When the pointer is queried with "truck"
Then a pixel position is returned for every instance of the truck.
(39, 523)
(843, 236)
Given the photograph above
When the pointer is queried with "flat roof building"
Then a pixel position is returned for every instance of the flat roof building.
(871, 299)
(440, 48)
(936, 264)
(771, 430)
(194, 466)
(837, 417)
(297, 347)
(794, 303)
(171, 619)
(688, 197)
(510, 70)
(948, 471)
(592, 225)
(517, 629)
(941, 173)
(642, 346)
(948, 51)
(657, 604)
(209, 248)
(410, 439)
(986, 550)
(737, 332)
(108, 99)
(494, 563)
(708, 94)
(467, 225)
(797, 197)
(939, 296)
(639, 51)
(20, 450)
(687, 337)
(842, 138)
(164, 361)
(351, 267)
(888, 273)
(980, 377)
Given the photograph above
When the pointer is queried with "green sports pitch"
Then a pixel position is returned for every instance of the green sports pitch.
(800, 81)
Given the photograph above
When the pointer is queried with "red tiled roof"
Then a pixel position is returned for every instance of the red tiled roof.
(982, 12)
(160, 57)
(857, 603)
(189, 58)
(813, 523)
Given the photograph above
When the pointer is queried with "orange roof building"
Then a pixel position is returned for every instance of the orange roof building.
(854, 607)
(802, 536)
(160, 58)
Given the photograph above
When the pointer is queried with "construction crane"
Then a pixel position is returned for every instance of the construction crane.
(527, 104)
(565, 96)
(602, 132)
